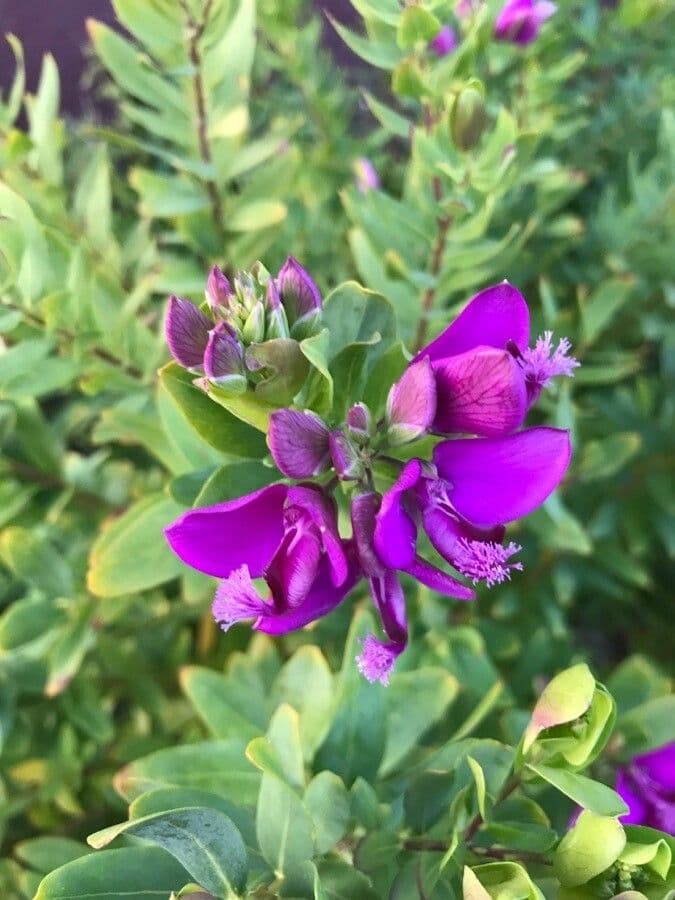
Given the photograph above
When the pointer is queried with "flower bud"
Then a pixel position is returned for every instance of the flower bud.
(445, 41)
(365, 175)
(254, 326)
(571, 721)
(300, 296)
(468, 117)
(411, 405)
(588, 849)
(187, 332)
(224, 360)
(346, 460)
(298, 441)
(277, 321)
(360, 423)
(218, 289)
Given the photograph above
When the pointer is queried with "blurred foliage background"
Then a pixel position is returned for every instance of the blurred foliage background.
(234, 136)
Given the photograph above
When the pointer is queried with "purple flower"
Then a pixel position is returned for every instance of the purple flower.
(486, 376)
(187, 332)
(298, 440)
(445, 41)
(367, 178)
(411, 405)
(464, 500)
(299, 294)
(218, 289)
(520, 21)
(648, 787)
(286, 535)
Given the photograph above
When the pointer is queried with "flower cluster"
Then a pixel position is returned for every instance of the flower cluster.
(469, 391)
(246, 333)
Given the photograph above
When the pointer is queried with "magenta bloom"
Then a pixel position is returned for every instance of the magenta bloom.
(466, 497)
(486, 375)
(286, 535)
(648, 787)
(520, 21)
(445, 41)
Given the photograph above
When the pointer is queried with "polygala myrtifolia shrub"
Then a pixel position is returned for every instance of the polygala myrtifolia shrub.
(258, 600)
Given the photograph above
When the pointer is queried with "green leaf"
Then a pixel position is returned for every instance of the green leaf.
(604, 458)
(218, 704)
(36, 561)
(415, 702)
(216, 425)
(588, 849)
(652, 724)
(131, 554)
(204, 841)
(416, 26)
(389, 119)
(164, 196)
(592, 795)
(355, 743)
(327, 801)
(598, 310)
(134, 873)
(47, 853)
(381, 54)
(216, 766)
(307, 666)
(256, 215)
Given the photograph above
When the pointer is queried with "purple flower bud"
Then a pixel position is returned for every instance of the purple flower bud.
(411, 405)
(299, 294)
(360, 422)
(277, 321)
(346, 461)
(187, 332)
(367, 178)
(298, 441)
(445, 41)
(520, 21)
(224, 359)
(218, 289)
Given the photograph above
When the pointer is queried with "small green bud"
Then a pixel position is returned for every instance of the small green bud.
(277, 324)
(416, 26)
(407, 80)
(254, 326)
(468, 117)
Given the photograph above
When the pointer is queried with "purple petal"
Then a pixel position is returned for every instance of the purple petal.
(497, 480)
(395, 531)
(367, 178)
(293, 569)
(519, 21)
(321, 600)
(218, 539)
(494, 317)
(479, 392)
(439, 581)
(224, 356)
(637, 809)
(323, 513)
(344, 456)
(376, 660)
(445, 41)
(659, 765)
(187, 332)
(299, 293)
(411, 404)
(298, 441)
(237, 599)
(363, 511)
(218, 289)
(390, 602)
(359, 421)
